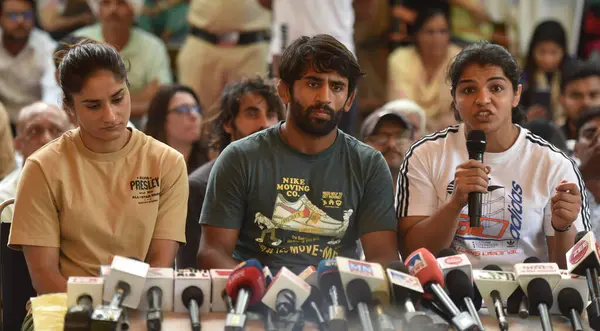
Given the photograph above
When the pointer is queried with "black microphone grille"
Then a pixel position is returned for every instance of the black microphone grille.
(192, 292)
(569, 298)
(447, 252)
(399, 266)
(492, 267)
(578, 236)
(459, 285)
(532, 259)
(358, 291)
(476, 141)
(539, 291)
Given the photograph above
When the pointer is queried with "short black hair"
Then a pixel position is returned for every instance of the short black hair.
(586, 116)
(324, 53)
(485, 53)
(579, 70)
(229, 106)
(423, 16)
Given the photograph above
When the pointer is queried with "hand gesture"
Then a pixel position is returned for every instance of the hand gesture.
(566, 204)
(471, 176)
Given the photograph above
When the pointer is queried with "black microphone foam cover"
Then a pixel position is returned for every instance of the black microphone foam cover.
(358, 291)
(477, 299)
(446, 252)
(459, 286)
(190, 293)
(315, 296)
(569, 298)
(402, 293)
(476, 141)
(539, 291)
(532, 259)
(492, 267)
(578, 236)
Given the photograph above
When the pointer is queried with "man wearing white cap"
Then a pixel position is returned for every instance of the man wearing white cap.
(144, 52)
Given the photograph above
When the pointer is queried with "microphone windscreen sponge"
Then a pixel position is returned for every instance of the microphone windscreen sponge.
(190, 293)
(532, 259)
(247, 275)
(539, 291)
(578, 236)
(476, 141)
(492, 267)
(569, 298)
(423, 265)
(357, 291)
(459, 285)
(444, 252)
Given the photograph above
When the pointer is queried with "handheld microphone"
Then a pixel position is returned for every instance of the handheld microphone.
(448, 259)
(313, 305)
(154, 314)
(423, 265)
(384, 322)
(245, 286)
(406, 291)
(192, 298)
(79, 317)
(539, 293)
(185, 278)
(330, 283)
(218, 278)
(130, 271)
(518, 303)
(476, 142)
(285, 280)
(359, 296)
(575, 282)
(372, 273)
(109, 316)
(583, 259)
(570, 304)
(309, 275)
(460, 287)
(495, 285)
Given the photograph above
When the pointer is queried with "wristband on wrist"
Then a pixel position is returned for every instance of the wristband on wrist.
(561, 230)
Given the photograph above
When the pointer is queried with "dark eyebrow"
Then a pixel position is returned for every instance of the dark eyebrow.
(112, 96)
(464, 81)
(320, 80)
(251, 108)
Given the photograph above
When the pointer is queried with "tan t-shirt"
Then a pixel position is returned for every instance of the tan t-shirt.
(94, 206)
(222, 16)
(7, 152)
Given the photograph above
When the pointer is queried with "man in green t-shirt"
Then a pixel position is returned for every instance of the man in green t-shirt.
(301, 191)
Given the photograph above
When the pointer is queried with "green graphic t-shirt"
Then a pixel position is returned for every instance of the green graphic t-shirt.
(295, 209)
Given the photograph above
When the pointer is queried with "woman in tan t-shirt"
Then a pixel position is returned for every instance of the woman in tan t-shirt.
(99, 190)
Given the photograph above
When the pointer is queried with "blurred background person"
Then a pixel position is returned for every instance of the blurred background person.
(246, 106)
(546, 59)
(61, 17)
(548, 131)
(418, 72)
(146, 54)
(164, 18)
(412, 112)
(175, 118)
(26, 68)
(389, 132)
(228, 39)
(38, 124)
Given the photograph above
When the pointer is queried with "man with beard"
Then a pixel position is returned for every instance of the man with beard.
(389, 132)
(303, 190)
(245, 107)
(26, 67)
(146, 54)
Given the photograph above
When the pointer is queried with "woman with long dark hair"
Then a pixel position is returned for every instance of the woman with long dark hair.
(532, 198)
(175, 118)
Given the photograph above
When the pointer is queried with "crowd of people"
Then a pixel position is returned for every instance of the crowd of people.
(254, 145)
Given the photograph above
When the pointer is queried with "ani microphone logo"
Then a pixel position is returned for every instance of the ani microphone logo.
(578, 252)
(416, 264)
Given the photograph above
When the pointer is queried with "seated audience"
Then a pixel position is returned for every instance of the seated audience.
(588, 145)
(102, 189)
(389, 132)
(246, 106)
(546, 59)
(580, 89)
(61, 17)
(412, 112)
(26, 69)
(418, 72)
(548, 131)
(38, 124)
(148, 61)
(303, 190)
(532, 192)
(7, 153)
(175, 118)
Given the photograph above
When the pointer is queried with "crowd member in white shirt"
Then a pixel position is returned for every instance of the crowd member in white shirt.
(533, 203)
(26, 68)
(293, 19)
(37, 125)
